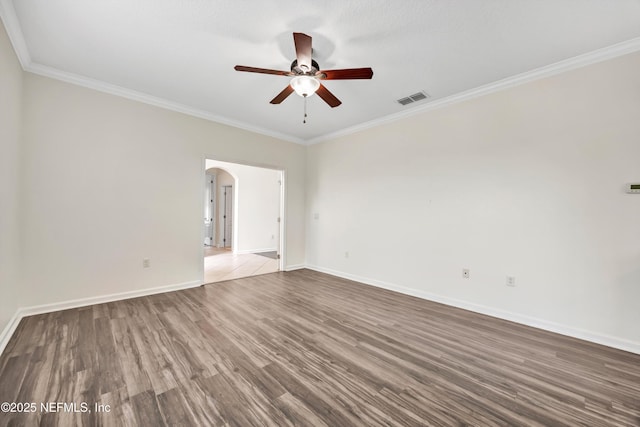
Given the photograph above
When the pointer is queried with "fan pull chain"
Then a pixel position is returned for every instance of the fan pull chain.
(305, 110)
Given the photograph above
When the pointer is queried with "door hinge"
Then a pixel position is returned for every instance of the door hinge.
(278, 219)
(278, 256)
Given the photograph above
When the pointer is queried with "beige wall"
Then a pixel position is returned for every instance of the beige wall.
(223, 177)
(110, 181)
(10, 124)
(526, 182)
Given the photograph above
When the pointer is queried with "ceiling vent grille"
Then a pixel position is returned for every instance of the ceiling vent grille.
(413, 98)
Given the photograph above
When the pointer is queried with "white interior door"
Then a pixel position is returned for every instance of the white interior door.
(228, 216)
(209, 210)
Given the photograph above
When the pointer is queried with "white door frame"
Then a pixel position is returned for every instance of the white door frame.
(210, 190)
(282, 223)
(229, 208)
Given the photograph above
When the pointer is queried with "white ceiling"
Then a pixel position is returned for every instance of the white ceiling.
(181, 53)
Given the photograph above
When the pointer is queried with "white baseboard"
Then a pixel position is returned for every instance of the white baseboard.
(254, 251)
(83, 302)
(8, 331)
(294, 267)
(595, 337)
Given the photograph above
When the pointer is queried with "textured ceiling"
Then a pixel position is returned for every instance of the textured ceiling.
(183, 51)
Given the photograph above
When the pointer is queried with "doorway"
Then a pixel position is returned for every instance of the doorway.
(244, 211)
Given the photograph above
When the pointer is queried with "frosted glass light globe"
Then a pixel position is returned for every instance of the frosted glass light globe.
(305, 85)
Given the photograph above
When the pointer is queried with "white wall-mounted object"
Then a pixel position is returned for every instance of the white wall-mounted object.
(633, 188)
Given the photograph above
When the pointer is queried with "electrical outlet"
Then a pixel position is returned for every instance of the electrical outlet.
(511, 281)
(316, 216)
(346, 254)
(146, 263)
(273, 236)
(465, 273)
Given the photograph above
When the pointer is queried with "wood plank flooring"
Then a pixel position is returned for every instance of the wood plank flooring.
(308, 349)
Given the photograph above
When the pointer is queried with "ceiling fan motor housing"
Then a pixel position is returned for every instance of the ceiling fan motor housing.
(299, 71)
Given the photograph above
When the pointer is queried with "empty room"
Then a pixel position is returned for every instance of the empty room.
(452, 239)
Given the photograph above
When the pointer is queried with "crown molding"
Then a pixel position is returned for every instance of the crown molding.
(610, 52)
(101, 86)
(14, 31)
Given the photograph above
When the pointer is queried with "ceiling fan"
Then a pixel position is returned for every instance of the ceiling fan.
(307, 74)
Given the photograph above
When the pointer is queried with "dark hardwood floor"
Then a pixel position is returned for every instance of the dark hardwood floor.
(305, 348)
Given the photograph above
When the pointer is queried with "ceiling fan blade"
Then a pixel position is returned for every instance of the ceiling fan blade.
(346, 74)
(328, 97)
(282, 95)
(303, 50)
(262, 70)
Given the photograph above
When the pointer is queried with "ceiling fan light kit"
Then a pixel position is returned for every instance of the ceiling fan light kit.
(307, 74)
(305, 85)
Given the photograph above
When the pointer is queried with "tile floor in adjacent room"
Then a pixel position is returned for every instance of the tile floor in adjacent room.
(222, 264)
